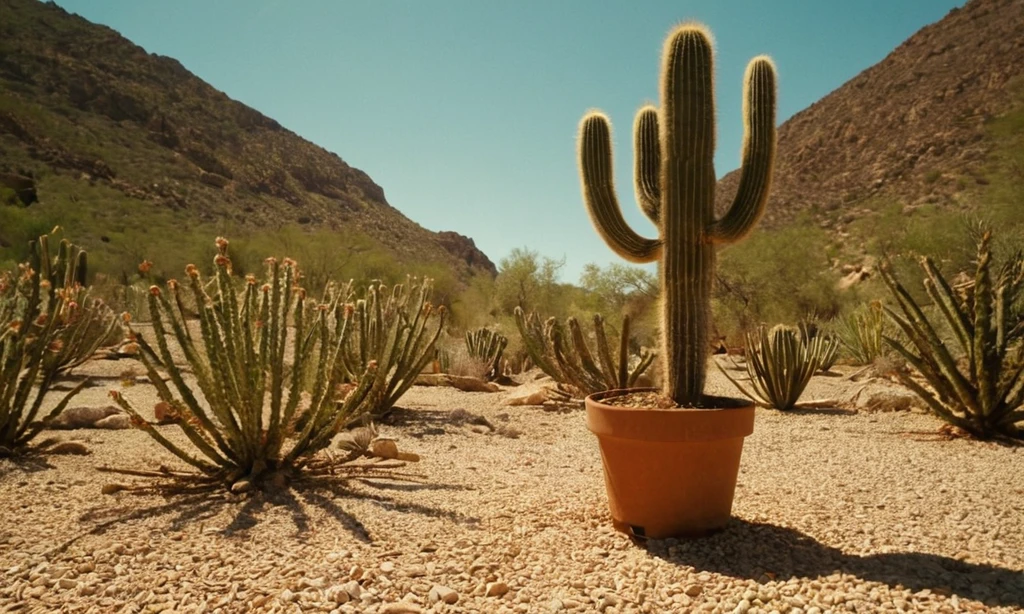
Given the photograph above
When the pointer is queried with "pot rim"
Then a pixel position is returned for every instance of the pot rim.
(727, 403)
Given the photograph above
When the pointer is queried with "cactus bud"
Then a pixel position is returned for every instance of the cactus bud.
(145, 266)
(154, 290)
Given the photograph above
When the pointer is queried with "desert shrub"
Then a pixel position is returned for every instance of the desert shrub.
(780, 363)
(253, 419)
(462, 363)
(978, 387)
(776, 276)
(571, 362)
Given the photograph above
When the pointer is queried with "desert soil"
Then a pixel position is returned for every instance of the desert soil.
(836, 510)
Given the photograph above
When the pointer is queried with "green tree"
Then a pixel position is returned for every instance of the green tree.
(528, 280)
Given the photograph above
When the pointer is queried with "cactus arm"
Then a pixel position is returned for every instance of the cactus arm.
(646, 358)
(758, 154)
(988, 361)
(596, 175)
(623, 374)
(647, 160)
(940, 292)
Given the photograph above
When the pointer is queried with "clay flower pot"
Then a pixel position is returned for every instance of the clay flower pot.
(670, 472)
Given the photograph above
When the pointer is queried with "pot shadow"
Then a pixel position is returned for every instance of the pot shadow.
(786, 553)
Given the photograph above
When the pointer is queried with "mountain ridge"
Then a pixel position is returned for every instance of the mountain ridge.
(861, 141)
(82, 102)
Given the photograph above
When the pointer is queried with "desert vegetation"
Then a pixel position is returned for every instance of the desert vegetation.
(331, 416)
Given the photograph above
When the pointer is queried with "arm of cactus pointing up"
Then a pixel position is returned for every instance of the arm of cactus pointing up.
(596, 173)
(758, 153)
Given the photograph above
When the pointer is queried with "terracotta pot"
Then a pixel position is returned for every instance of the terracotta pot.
(670, 472)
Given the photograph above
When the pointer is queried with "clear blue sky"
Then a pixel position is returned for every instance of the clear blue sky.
(465, 111)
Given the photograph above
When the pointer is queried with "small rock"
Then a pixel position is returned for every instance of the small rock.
(116, 422)
(384, 448)
(241, 486)
(74, 448)
(607, 601)
(387, 567)
(67, 583)
(163, 412)
(495, 589)
(353, 589)
(338, 595)
(286, 596)
(86, 567)
(692, 590)
(415, 571)
(82, 417)
(443, 594)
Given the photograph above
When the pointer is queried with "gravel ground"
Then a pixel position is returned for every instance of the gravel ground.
(836, 510)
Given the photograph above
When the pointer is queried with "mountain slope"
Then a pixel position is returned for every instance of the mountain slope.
(126, 147)
(912, 128)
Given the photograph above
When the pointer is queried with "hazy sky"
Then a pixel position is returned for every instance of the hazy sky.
(465, 111)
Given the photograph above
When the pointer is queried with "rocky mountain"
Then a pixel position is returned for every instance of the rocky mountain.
(911, 129)
(89, 119)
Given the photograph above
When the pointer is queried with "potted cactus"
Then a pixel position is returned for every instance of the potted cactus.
(671, 456)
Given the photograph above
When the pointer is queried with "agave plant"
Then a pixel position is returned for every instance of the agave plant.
(983, 394)
(780, 363)
(254, 418)
(487, 346)
(395, 328)
(860, 333)
(830, 353)
(571, 362)
(32, 321)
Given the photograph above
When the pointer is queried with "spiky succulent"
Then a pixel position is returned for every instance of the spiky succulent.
(86, 323)
(34, 320)
(780, 363)
(253, 416)
(983, 394)
(675, 186)
(396, 328)
(572, 362)
(487, 347)
(860, 333)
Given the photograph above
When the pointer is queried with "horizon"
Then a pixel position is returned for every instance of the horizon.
(390, 111)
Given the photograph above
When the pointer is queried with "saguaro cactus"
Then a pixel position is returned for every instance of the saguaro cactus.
(675, 187)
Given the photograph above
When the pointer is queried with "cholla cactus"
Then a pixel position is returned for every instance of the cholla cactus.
(986, 397)
(32, 322)
(487, 346)
(780, 363)
(395, 328)
(86, 323)
(572, 363)
(252, 401)
(675, 186)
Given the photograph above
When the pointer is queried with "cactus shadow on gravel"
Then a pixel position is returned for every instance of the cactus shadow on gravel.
(184, 511)
(750, 550)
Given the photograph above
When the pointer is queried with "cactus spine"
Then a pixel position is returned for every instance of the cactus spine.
(675, 187)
